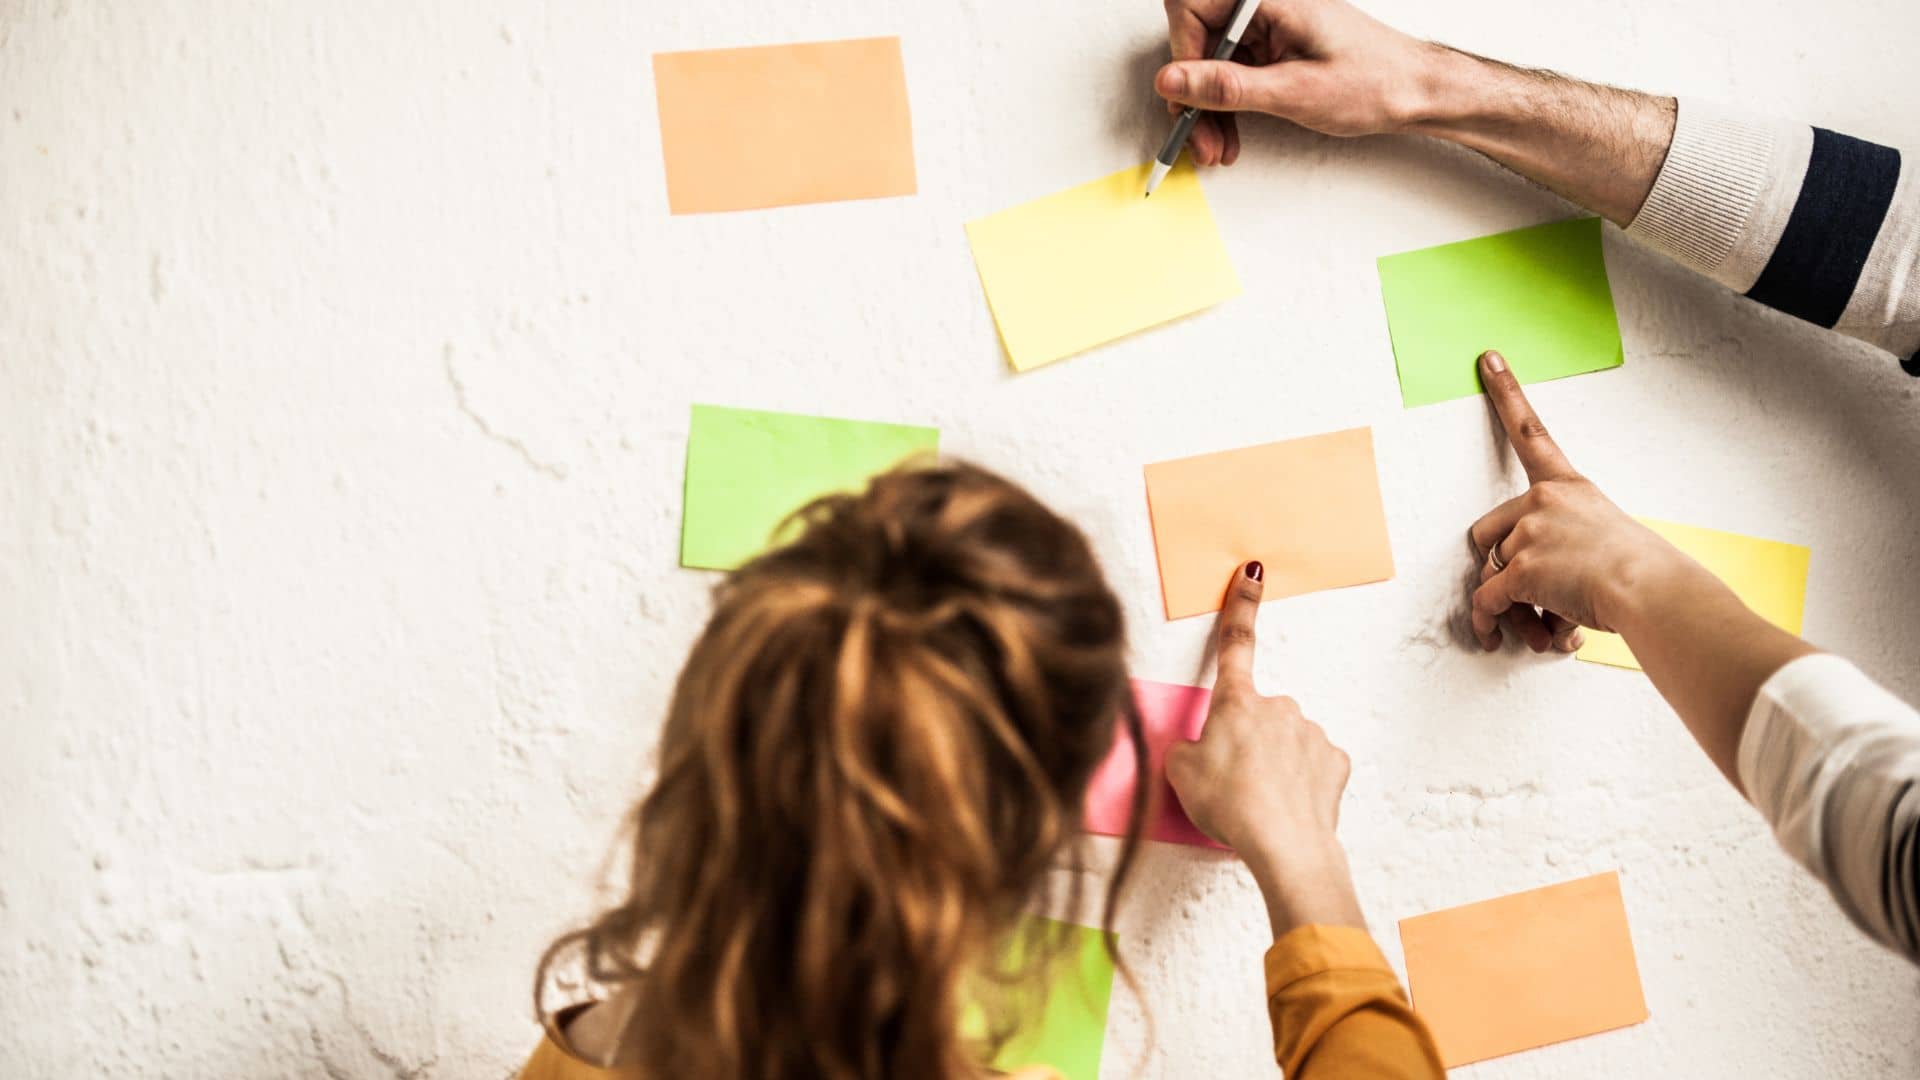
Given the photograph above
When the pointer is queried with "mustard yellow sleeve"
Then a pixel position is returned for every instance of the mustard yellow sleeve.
(553, 1060)
(1338, 1010)
(549, 1062)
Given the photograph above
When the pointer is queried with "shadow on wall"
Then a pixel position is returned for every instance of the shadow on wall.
(1132, 99)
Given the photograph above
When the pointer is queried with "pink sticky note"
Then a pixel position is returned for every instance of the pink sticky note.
(1169, 713)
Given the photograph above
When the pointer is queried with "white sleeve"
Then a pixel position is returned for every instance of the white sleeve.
(1832, 761)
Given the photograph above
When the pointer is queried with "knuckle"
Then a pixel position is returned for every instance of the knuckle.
(1176, 761)
(1228, 88)
(1287, 704)
(1531, 427)
(1522, 591)
(1236, 634)
(1247, 592)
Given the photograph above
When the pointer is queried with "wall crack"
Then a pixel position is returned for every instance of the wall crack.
(486, 428)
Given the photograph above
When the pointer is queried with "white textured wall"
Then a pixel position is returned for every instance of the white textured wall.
(345, 355)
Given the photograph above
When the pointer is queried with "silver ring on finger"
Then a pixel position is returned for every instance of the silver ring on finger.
(1493, 558)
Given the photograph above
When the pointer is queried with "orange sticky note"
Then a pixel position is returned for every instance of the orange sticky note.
(781, 124)
(1525, 970)
(1308, 509)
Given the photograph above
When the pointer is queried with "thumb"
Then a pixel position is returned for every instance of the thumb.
(1215, 85)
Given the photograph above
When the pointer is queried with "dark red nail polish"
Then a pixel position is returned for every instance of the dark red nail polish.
(1254, 570)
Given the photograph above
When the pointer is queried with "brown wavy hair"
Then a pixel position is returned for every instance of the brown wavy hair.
(875, 756)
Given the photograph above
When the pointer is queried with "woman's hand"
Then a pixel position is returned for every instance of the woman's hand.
(1561, 556)
(1322, 64)
(1264, 780)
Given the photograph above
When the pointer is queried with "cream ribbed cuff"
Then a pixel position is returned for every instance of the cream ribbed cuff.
(1724, 193)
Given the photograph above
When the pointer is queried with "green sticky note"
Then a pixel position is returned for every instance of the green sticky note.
(1537, 296)
(1067, 1028)
(747, 470)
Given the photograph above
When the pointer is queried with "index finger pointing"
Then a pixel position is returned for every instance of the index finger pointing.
(1236, 627)
(1537, 451)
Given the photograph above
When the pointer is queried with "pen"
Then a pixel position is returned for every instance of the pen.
(1170, 152)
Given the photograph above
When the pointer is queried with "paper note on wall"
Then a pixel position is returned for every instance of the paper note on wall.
(782, 124)
(1525, 970)
(747, 470)
(1768, 576)
(1169, 713)
(1308, 509)
(1538, 296)
(1064, 1025)
(1097, 262)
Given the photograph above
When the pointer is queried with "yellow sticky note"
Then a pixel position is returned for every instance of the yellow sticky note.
(1098, 262)
(1769, 576)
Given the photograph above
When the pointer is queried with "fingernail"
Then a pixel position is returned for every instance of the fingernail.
(1494, 361)
(1254, 570)
(1176, 81)
(1575, 640)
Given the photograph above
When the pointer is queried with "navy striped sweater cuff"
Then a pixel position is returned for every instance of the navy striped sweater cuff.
(1842, 204)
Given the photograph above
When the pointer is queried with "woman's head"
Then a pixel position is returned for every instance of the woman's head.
(875, 753)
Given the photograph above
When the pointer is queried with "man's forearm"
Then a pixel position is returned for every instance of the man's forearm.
(1811, 222)
(1598, 146)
